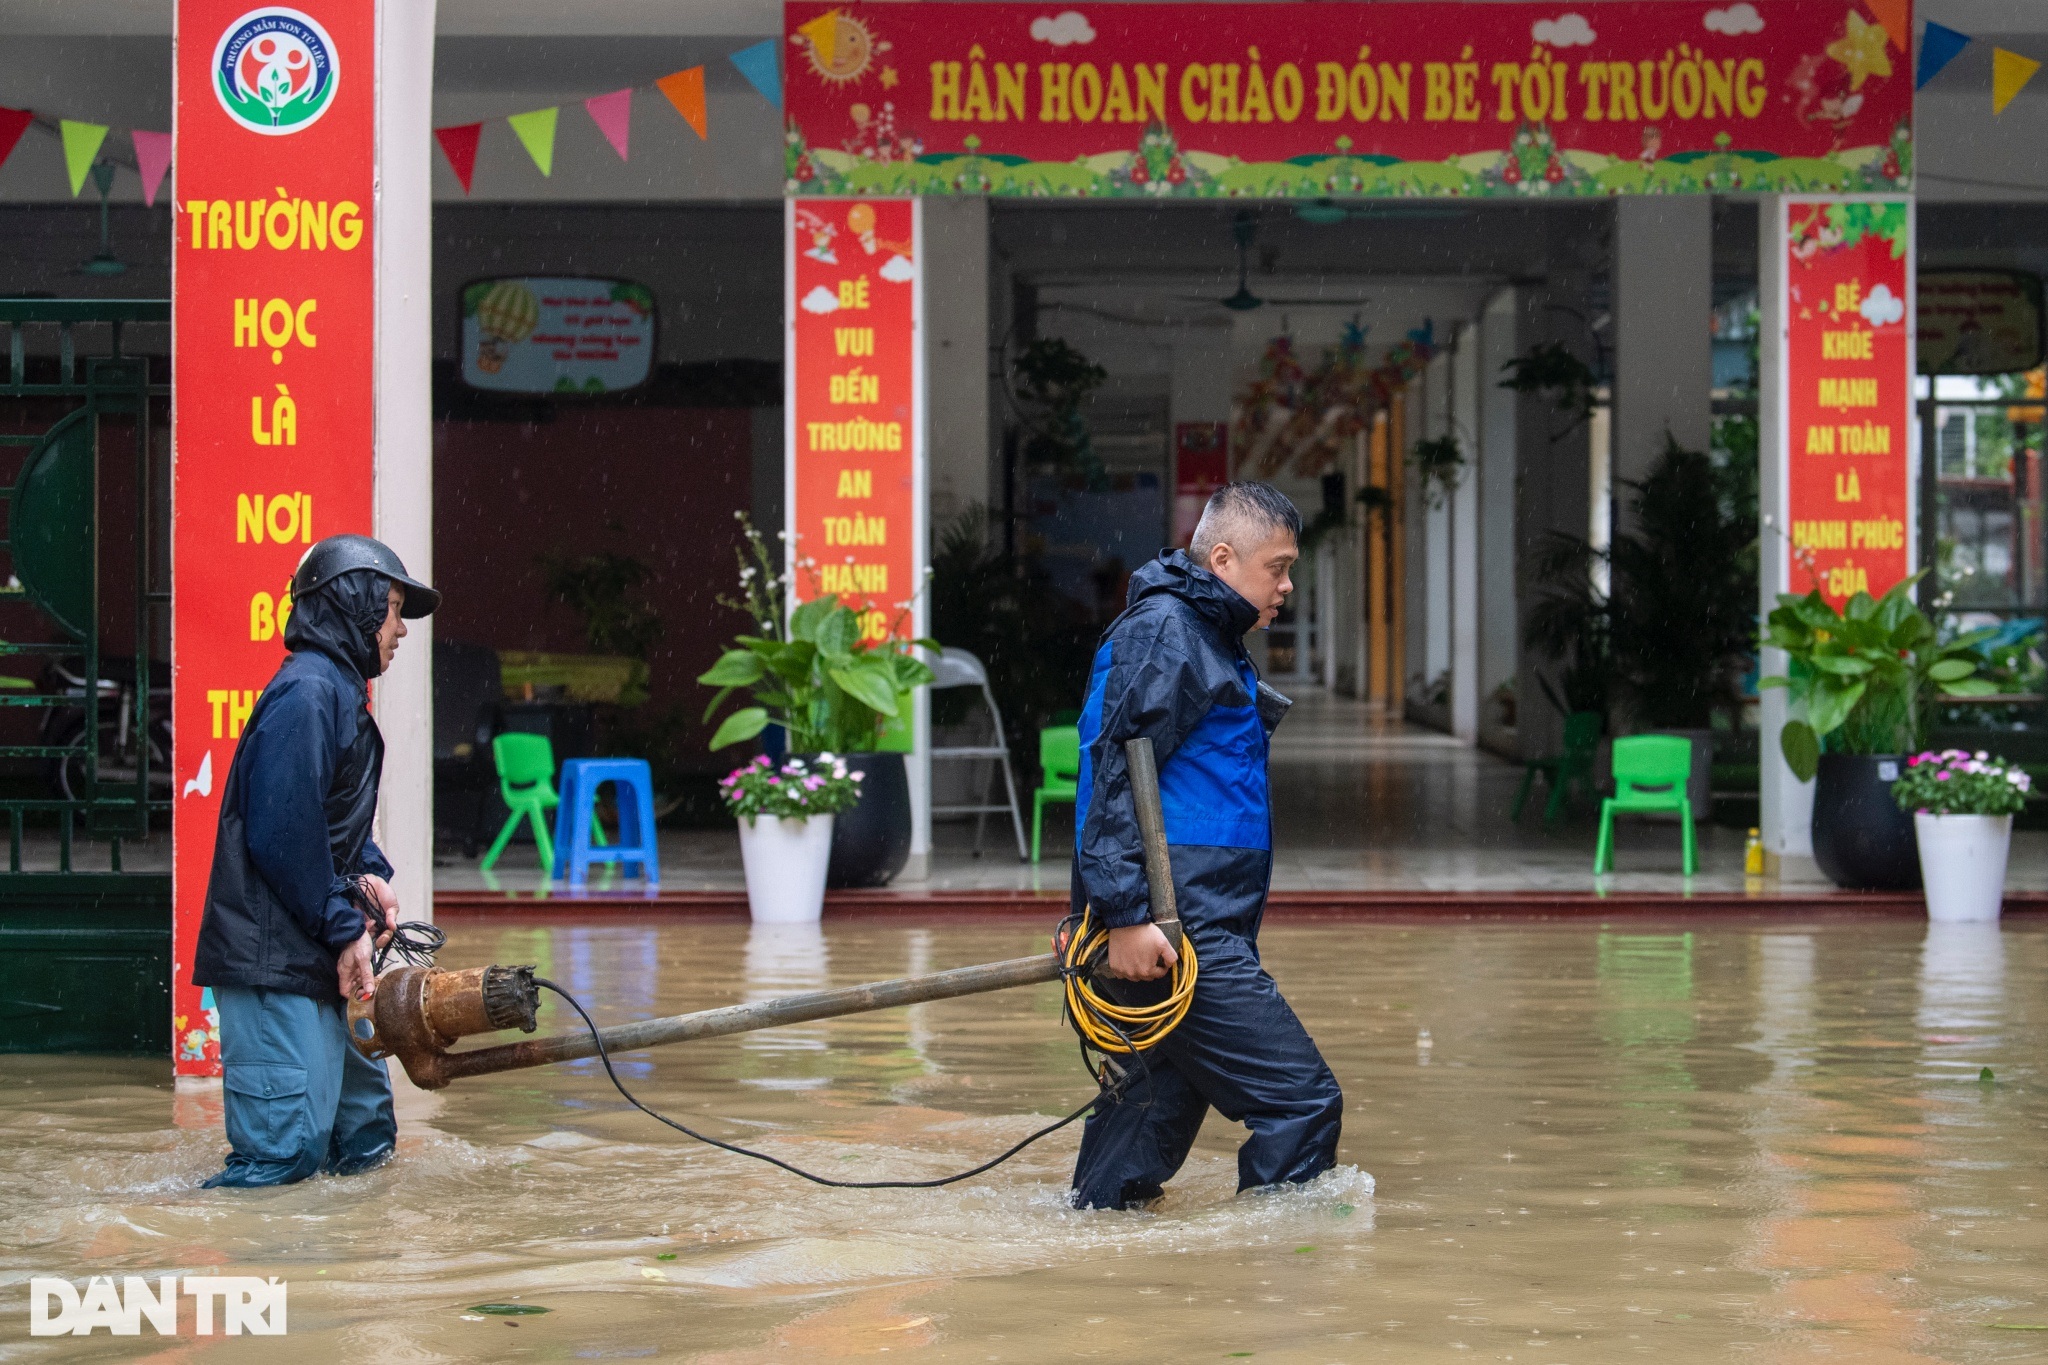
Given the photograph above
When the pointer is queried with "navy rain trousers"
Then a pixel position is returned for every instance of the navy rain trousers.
(1240, 1051)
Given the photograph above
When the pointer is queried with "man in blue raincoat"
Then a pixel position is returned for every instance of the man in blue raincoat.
(1173, 669)
(289, 930)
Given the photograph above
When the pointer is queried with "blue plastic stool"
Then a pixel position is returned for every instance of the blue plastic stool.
(633, 787)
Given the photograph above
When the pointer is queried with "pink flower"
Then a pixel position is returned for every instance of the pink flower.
(1941, 777)
(856, 776)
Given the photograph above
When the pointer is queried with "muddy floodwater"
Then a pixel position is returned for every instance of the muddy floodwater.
(1564, 1143)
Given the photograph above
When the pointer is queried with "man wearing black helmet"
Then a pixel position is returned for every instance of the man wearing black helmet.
(298, 889)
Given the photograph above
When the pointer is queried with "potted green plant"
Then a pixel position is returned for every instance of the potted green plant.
(786, 814)
(1962, 805)
(1864, 677)
(815, 673)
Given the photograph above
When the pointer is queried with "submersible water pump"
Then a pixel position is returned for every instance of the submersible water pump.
(418, 1012)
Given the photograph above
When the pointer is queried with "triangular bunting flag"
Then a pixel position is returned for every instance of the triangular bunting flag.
(2010, 73)
(613, 115)
(758, 65)
(685, 90)
(81, 144)
(536, 130)
(1896, 18)
(13, 123)
(458, 144)
(152, 160)
(1939, 45)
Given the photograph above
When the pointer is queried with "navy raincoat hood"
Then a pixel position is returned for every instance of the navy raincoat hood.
(341, 620)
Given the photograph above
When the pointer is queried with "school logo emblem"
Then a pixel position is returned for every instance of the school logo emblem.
(275, 70)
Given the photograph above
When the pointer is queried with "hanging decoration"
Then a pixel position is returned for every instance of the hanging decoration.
(613, 115)
(13, 123)
(152, 161)
(459, 144)
(2010, 73)
(1286, 418)
(759, 64)
(1939, 45)
(685, 90)
(81, 144)
(535, 130)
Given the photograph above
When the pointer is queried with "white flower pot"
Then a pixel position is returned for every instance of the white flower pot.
(785, 860)
(1962, 864)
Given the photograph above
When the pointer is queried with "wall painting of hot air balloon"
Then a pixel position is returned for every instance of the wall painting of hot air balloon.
(555, 335)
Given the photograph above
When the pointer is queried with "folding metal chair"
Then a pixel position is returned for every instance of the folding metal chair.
(959, 668)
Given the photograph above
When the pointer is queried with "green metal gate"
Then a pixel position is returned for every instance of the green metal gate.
(85, 957)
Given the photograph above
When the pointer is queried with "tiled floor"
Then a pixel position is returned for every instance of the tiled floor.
(1360, 803)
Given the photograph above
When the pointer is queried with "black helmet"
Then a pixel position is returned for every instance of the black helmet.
(338, 555)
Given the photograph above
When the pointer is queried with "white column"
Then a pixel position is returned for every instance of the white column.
(404, 499)
(1464, 519)
(1786, 804)
(1499, 651)
(1663, 352)
(919, 761)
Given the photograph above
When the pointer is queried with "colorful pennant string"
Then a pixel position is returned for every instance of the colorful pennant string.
(536, 132)
(458, 144)
(685, 90)
(81, 144)
(2010, 73)
(1939, 45)
(13, 123)
(152, 161)
(613, 115)
(760, 64)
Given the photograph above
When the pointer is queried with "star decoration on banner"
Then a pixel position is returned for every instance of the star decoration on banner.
(889, 78)
(1861, 50)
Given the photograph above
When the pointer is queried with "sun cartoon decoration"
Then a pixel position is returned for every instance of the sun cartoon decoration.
(840, 47)
(1861, 50)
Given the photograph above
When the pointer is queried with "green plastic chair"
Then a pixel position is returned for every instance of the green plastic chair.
(526, 784)
(1059, 755)
(1574, 765)
(1650, 774)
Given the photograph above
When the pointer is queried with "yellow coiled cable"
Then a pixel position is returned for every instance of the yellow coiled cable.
(1123, 1029)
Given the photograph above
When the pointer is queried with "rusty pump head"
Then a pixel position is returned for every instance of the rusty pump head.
(417, 1012)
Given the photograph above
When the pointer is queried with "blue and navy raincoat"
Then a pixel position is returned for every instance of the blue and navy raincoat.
(295, 816)
(1173, 669)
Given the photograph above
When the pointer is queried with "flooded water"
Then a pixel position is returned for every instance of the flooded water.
(1766, 1141)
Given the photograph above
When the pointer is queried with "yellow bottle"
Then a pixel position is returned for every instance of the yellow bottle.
(1753, 854)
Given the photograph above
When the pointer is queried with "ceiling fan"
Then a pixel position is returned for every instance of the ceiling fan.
(1244, 227)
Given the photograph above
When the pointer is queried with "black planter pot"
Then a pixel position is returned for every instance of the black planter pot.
(1861, 839)
(871, 842)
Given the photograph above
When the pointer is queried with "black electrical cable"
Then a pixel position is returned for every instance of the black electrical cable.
(1109, 1090)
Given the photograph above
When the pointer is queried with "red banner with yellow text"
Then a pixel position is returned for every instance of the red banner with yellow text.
(854, 425)
(272, 346)
(1848, 386)
(1296, 100)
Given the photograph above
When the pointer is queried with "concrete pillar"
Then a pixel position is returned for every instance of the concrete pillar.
(1463, 515)
(956, 268)
(1663, 273)
(1499, 645)
(1551, 486)
(404, 497)
(1436, 529)
(1786, 804)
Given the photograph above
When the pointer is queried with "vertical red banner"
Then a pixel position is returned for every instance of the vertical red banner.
(1201, 465)
(854, 406)
(1848, 386)
(272, 367)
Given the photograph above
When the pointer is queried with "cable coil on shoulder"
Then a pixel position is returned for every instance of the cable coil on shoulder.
(1103, 1024)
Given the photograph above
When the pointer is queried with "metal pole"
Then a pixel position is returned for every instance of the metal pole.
(718, 1023)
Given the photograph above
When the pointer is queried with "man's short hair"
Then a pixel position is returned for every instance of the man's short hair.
(1243, 515)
